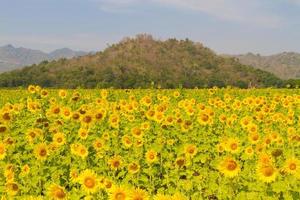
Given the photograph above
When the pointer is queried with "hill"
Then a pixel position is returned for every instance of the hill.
(136, 62)
(285, 65)
(13, 58)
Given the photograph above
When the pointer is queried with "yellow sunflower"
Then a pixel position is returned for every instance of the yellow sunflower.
(190, 150)
(3, 128)
(232, 145)
(119, 193)
(56, 192)
(12, 188)
(229, 167)
(151, 156)
(133, 168)
(59, 139)
(41, 151)
(89, 182)
(115, 162)
(292, 166)
(266, 172)
(2, 151)
(83, 133)
(138, 194)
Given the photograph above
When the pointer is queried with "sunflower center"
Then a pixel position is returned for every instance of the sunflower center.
(87, 119)
(43, 152)
(59, 140)
(60, 194)
(268, 171)
(99, 116)
(233, 146)
(151, 156)
(2, 129)
(191, 151)
(56, 110)
(293, 166)
(14, 187)
(89, 182)
(116, 163)
(6, 116)
(231, 166)
(180, 162)
(204, 117)
(120, 196)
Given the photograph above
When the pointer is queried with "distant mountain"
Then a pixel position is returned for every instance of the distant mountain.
(137, 62)
(285, 65)
(13, 58)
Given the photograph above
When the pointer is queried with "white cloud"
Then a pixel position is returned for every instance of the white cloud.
(246, 11)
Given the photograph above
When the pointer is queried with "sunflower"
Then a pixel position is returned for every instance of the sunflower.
(266, 172)
(292, 166)
(89, 182)
(2, 151)
(87, 119)
(74, 176)
(252, 128)
(44, 93)
(190, 150)
(31, 89)
(265, 159)
(99, 115)
(180, 162)
(162, 197)
(98, 144)
(41, 151)
(12, 188)
(229, 167)
(5, 117)
(232, 145)
(25, 169)
(133, 168)
(82, 151)
(179, 196)
(115, 162)
(151, 156)
(119, 193)
(176, 94)
(56, 192)
(83, 133)
(66, 113)
(249, 151)
(204, 118)
(3, 128)
(59, 139)
(75, 116)
(114, 120)
(138, 194)
(62, 94)
(126, 141)
(253, 138)
(137, 132)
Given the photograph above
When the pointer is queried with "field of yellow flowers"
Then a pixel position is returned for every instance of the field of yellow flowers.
(150, 144)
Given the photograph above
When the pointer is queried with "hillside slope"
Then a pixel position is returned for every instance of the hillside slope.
(285, 65)
(14, 58)
(136, 62)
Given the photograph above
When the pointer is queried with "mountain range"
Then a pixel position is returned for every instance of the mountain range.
(13, 58)
(285, 65)
(139, 61)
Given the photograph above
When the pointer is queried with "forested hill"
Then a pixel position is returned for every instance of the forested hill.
(139, 61)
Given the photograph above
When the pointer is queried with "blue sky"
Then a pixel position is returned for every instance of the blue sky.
(226, 26)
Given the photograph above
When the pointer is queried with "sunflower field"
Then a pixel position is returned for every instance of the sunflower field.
(150, 144)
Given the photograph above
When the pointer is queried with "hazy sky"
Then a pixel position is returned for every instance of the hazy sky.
(226, 26)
